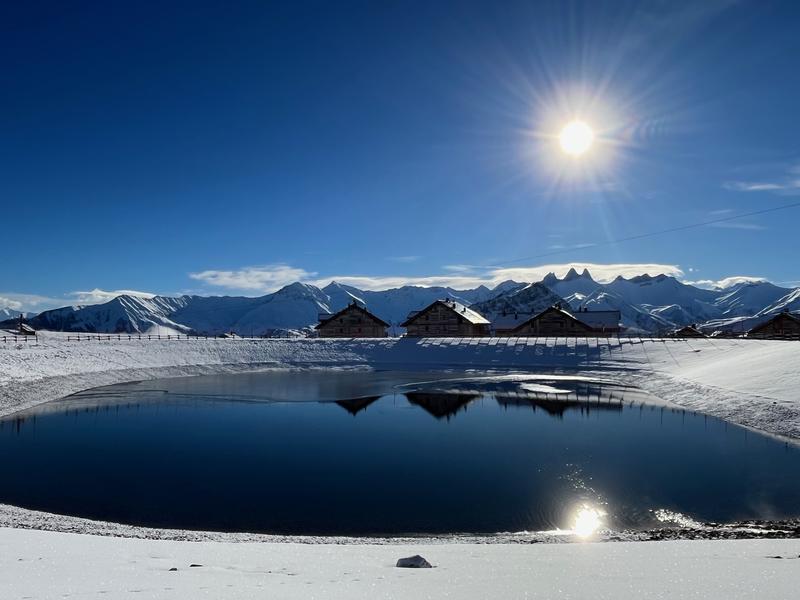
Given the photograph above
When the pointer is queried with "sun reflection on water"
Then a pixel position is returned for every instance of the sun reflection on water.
(587, 521)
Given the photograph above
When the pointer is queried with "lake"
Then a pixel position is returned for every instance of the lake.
(388, 453)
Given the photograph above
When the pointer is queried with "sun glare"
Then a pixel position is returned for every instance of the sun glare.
(587, 521)
(576, 138)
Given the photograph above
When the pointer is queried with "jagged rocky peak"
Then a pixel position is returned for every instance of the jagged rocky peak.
(644, 278)
(585, 274)
(550, 279)
(571, 274)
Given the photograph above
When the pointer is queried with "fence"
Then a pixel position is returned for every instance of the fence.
(10, 338)
(119, 337)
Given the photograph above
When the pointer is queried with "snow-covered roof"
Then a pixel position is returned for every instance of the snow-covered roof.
(598, 319)
(464, 311)
(510, 320)
(325, 317)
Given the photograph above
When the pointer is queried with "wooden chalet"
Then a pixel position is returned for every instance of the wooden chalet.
(553, 321)
(446, 318)
(690, 331)
(353, 321)
(783, 325)
(600, 322)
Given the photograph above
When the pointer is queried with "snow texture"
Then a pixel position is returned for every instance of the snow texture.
(38, 565)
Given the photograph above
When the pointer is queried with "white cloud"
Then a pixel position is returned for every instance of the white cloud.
(98, 296)
(737, 225)
(725, 283)
(470, 276)
(785, 184)
(37, 303)
(10, 303)
(752, 186)
(264, 279)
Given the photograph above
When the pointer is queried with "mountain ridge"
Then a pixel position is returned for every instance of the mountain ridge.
(646, 304)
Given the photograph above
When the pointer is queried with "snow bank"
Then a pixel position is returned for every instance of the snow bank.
(35, 564)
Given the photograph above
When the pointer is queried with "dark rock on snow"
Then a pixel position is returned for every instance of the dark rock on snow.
(413, 562)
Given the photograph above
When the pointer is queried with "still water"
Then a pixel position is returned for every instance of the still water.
(369, 453)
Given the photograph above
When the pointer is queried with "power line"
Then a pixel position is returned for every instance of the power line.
(653, 233)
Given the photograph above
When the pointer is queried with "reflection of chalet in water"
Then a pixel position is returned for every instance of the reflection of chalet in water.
(439, 404)
(782, 325)
(556, 407)
(553, 321)
(352, 321)
(356, 405)
(446, 318)
(690, 331)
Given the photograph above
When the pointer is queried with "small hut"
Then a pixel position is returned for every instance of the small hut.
(782, 326)
(446, 318)
(353, 321)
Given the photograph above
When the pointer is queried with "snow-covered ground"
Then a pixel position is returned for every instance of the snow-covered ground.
(751, 382)
(37, 565)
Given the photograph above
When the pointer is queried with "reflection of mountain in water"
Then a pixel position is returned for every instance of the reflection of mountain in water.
(356, 405)
(440, 405)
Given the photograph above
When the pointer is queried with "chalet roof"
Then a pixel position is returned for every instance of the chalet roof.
(599, 319)
(510, 321)
(781, 315)
(559, 310)
(463, 311)
(348, 308)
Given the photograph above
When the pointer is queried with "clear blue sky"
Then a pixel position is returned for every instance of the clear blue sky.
(252, 143)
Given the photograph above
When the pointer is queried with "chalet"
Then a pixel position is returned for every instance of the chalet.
(504, 324)
(446, 318)
(598, 321)
(690, 331)
(553, 321)
(602, 321)
(353, 321)
(782, 325)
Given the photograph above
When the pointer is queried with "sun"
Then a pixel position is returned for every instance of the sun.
(576, 138)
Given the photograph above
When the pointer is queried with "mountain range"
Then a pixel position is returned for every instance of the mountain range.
(646, 304)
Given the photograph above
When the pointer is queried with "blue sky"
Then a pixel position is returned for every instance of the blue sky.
(230, 148)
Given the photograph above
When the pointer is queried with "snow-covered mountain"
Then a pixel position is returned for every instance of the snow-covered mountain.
(530, 299)
(9, 313)
(633, 318)
(655, 303)
(292, 309)
(646, 304)
(123, 314)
